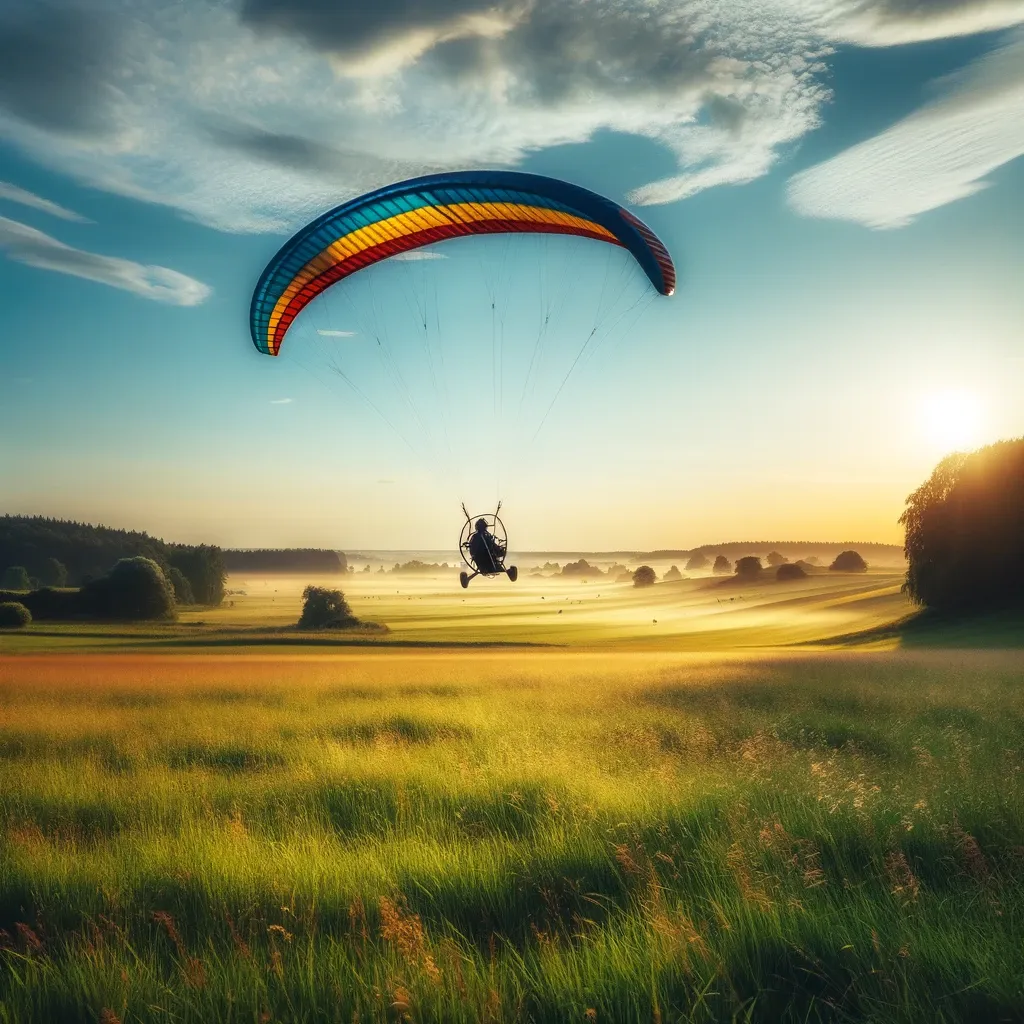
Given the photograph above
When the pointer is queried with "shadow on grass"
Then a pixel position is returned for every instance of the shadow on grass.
(927, 629)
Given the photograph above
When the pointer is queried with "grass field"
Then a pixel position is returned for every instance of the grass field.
(602, 832)
(700, 614)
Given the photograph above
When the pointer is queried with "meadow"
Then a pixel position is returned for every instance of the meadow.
(537, 835)
(698, 614)
(605, 832)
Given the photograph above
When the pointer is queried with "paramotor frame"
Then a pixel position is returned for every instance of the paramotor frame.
(497, 530)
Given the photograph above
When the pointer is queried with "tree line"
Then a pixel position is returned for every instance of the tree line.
(37, 552)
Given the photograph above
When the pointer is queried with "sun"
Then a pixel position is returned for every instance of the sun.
(951, 420)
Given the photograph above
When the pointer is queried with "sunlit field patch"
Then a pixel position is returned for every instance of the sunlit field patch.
(511, 836)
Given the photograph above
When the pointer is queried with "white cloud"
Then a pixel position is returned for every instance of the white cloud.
(336, 334)
(281, 401)
(26, 245)
(248, 126)
(14, 194)
(938, 154)
(253, 115)
(896, 22)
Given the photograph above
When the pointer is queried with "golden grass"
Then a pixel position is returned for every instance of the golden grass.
(511, 835)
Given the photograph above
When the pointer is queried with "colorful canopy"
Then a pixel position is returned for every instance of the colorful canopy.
(421, 211)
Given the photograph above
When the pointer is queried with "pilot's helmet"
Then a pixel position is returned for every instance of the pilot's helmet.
(481, 525)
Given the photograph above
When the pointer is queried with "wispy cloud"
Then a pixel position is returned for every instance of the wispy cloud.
(896, 22)
(273, 109)
(938, 154)
(14, 194)
(281, 401)
(336, 334)
(27, 245)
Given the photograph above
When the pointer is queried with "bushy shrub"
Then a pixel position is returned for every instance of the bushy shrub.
(848, 561)
(698, 560)
(325, 609)
(965, 531)
(136, 589)
(672, 574)
(14, 615)
(644, 576)
(722, 566)
(774, 559)
(16, 577)
(790, 571)
(748, 567)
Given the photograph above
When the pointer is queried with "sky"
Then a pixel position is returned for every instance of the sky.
(838, 182)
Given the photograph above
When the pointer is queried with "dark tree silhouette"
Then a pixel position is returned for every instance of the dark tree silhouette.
(965, 531)
(16, 578)
(181, 586)
(644, 576)
(774, 559)
(88, 551)
(698, 560)
(53, 574)
(581, 568)
(848, 561)
(135, 589)
(672, 574)
(203, 566)
(748, 567)
(14, 615)
(790, 571)
(722, 566)
(325, 609)
(292, 560)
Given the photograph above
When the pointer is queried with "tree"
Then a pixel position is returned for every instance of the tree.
(181, 586)
(965, 531)
(774, 559)
(790, 571)
(748, 567)
(722, 566)
(54, 574)
(203, 567)
(14, 615)
(848, 561)
(644, 576)
(698, 560)
(16, 578)
(581, 568)
(136, 589)
(325, 609)
(672, 574)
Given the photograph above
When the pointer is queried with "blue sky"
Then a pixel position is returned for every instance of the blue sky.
(838, 183)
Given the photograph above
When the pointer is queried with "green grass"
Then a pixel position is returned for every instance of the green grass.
(512, 836)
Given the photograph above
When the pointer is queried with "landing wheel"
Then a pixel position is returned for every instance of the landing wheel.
(464, 579)
(513, 573)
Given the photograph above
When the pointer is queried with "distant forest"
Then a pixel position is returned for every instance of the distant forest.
(87, 552)
(307, 560)
(826, 551)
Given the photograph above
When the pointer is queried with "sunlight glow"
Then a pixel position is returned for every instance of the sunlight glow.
(951, 420)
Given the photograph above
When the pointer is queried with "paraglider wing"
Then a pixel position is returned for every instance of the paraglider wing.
(410, 214)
